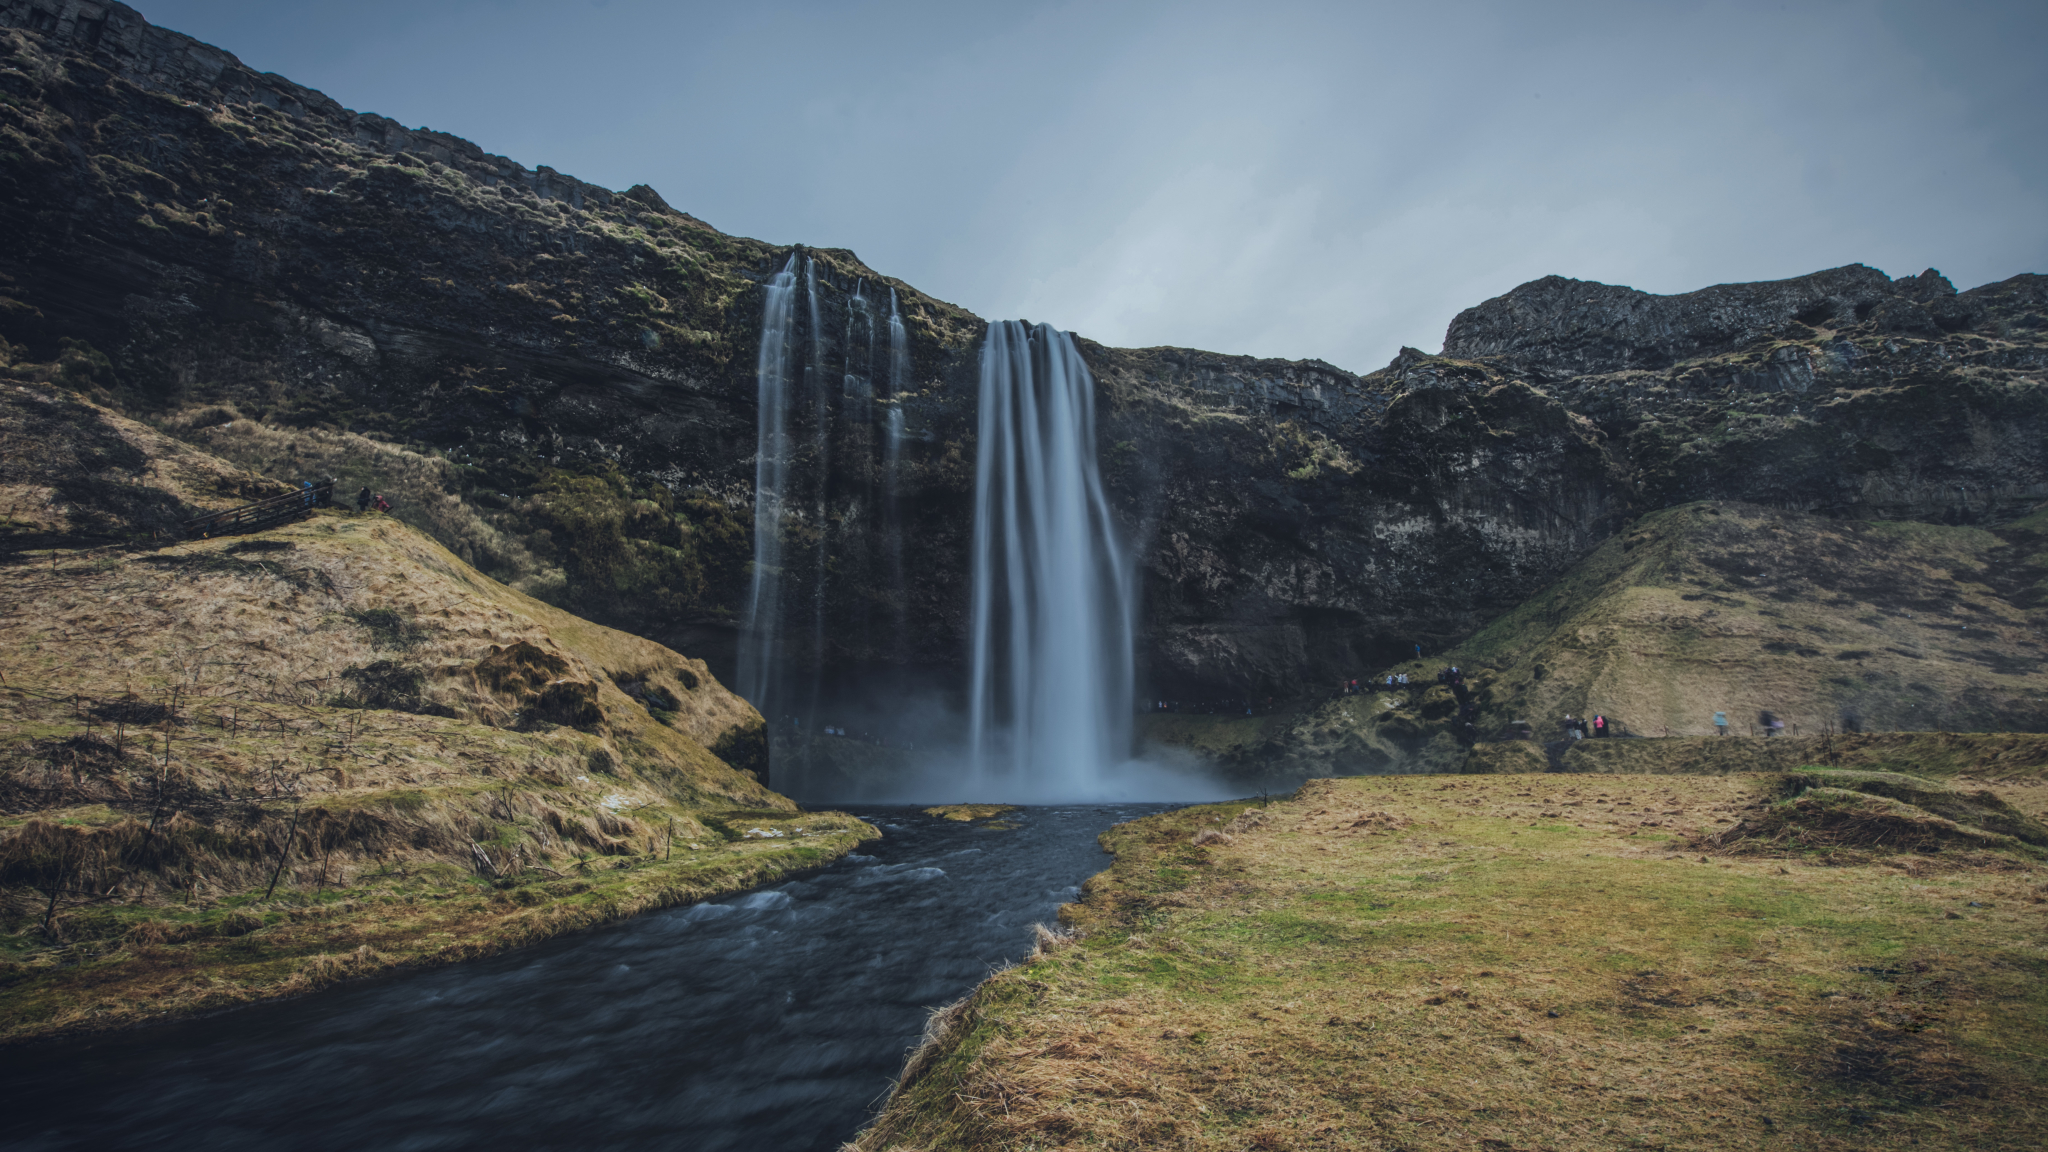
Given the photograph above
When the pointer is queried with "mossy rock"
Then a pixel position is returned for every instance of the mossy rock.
(1507, 756)
(1863, 819)
(1828, 811)
(966, 813)
(1975, 809)
(1443, 753)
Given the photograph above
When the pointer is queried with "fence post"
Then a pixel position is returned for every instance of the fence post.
(290, 835)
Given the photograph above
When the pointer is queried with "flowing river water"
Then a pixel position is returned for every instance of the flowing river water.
(770, 1020)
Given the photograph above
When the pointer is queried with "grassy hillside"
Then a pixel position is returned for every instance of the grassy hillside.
(1832, 625)
(248, 766)
(1525, 962)
(1726, 607)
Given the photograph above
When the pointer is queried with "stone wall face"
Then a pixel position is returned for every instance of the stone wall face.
(586, 357)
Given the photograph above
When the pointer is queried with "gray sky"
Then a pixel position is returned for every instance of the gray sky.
(1282, 179)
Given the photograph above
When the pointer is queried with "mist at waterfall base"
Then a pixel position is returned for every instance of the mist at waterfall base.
(1045, 712)
(1053, 619)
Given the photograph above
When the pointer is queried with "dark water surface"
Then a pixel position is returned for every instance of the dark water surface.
(770, 1020)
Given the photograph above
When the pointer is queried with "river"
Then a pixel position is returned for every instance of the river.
(770, 1020)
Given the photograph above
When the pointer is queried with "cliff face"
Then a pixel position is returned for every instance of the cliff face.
(559, 381)
(226, 243)
(1304, 520)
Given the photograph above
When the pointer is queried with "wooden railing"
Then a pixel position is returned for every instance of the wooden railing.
(261, 514)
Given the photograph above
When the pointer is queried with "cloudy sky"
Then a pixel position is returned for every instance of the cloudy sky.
(1275, 178)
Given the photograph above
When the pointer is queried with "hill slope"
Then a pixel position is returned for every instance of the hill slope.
(1735, 608)
(1832, 625)
(249, 766)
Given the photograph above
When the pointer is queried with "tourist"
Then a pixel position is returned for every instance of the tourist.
(1768, 723)
(380, 503)
(1599, 726)
(1720, 723)
(363, 499)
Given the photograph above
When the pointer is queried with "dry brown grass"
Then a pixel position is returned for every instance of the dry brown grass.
(1504, 962)
(197, 807)
(424, 489)
(1738, 608)
(69, 466)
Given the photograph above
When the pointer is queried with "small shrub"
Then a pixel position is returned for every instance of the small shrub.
(385, 684)
(389, 629)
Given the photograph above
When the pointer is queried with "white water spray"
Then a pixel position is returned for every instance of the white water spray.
(771, 479)
(1049, 710)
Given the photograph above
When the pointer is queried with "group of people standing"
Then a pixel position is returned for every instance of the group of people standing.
(1580, 727)
(1393, 680)
(366, 500)
(1769, 722)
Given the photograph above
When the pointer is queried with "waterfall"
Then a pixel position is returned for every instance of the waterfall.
(899, 349)
(854, 545)
(1051, 620)
(858, 387)
(892, 464)
(771, 479)
(821, 445)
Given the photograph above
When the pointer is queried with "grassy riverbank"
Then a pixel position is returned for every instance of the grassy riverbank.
(164, 960)
(247, 767)
(1523, 961)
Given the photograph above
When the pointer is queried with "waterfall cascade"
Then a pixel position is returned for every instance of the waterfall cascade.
(1052, 620)
(893, 434)
(821, 463)
(759, 629)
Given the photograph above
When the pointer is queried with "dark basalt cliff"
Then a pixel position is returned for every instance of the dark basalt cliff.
(1298, 518)
(197, 241)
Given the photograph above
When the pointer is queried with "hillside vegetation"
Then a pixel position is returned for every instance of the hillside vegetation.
(249, 766)
(1832, 625)
(1828, 623)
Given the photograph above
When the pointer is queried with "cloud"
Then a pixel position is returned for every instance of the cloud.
(1287, 179)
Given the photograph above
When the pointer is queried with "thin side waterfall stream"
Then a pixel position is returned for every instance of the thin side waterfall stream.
(758, 632)
(764, 1021)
